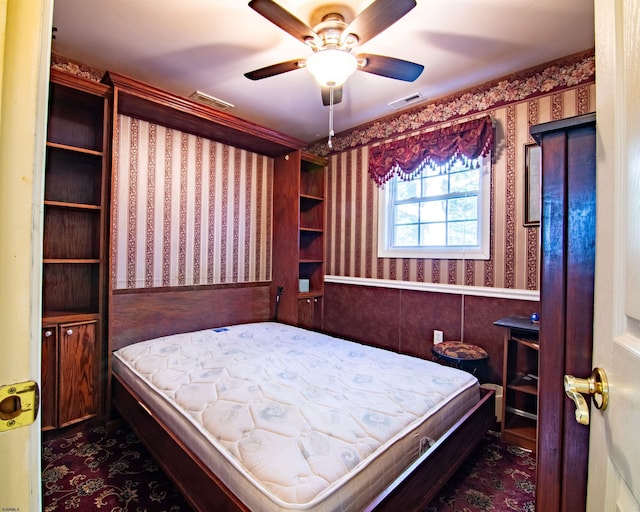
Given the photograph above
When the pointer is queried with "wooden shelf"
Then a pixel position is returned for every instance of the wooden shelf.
(525, 383)
(74, 149)
(77, 206)
(520, 431)
(307, 197)
(309, 295)
(520, 381)
(60, 261)
(56, 317)
(533, 344)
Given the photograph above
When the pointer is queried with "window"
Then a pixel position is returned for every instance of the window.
(441, 212)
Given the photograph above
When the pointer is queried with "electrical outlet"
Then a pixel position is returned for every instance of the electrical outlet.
(438, 337)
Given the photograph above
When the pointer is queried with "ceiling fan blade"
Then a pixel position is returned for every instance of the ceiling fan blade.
(379, 15)
(285, 20)
(274, 69)
(326, 95)
(390, 67)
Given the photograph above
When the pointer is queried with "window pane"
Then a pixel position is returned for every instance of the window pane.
(463, 233)
(433, 234)
(407, 189)
(435, 186)
(463, 208)
(467, 181)
(429, 171)
(406, 214)
(433, 211)
(406, 236)
(440, 208)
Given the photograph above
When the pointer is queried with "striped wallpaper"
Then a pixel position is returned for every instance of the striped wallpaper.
(352, 207)
(187, 210)
(191, 211)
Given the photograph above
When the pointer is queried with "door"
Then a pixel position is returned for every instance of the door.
(25, 41)
(567, 304)
(614, 461)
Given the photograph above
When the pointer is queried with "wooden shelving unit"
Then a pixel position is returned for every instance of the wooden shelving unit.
(74, 250)
(520, 381)
(299, 209)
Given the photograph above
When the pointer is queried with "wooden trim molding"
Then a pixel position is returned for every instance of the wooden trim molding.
(477, 291)
(143, 101)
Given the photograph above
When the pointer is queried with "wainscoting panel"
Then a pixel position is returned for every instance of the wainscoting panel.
(404, 320)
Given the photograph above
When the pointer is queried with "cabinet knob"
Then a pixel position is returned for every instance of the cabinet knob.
(315, 300)
(69, 332)
(48, 334)
(308, 301)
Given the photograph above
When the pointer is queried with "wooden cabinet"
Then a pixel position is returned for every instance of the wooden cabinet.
(298, 240)
(71, 369)
(520, 381)
(74, 249)
(310, 312)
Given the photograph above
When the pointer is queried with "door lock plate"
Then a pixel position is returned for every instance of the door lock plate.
(18, 405)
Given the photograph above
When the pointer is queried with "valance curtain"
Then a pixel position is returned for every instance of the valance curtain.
(407, 156)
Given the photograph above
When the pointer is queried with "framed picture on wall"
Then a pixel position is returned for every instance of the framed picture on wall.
(532, 184)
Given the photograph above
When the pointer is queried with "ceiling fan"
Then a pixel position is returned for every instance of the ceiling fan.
(333, 40)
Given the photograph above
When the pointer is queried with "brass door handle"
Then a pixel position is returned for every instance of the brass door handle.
(596, 385)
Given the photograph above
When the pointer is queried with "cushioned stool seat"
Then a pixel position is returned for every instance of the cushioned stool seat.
(466, 356)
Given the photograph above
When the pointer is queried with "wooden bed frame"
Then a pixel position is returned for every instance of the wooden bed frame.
(137, 316)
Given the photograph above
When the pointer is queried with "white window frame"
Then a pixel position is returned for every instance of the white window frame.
(478, 252)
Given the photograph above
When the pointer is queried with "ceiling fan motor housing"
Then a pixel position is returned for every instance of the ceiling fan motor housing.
(337, 32)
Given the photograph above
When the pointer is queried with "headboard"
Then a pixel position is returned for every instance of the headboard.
(140, 314)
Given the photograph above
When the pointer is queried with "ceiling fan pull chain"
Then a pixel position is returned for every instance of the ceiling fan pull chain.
(329, 143)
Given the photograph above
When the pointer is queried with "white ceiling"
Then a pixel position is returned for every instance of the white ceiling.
(207, 45)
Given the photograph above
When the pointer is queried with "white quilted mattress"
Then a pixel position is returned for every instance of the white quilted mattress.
(291, 419)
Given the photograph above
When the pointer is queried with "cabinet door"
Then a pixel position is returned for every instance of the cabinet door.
(310, 312)
(78, 392)
(305, 313)
(317, 313)
(49, 387)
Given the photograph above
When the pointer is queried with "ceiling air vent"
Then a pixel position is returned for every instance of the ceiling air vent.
(407, 100)
(206, 99)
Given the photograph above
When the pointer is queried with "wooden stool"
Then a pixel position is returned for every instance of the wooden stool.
(465, 356)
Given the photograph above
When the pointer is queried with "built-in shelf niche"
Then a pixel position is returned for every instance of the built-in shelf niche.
(76, 118)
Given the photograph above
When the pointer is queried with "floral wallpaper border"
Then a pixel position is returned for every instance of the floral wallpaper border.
(566, 73)
(76, 68)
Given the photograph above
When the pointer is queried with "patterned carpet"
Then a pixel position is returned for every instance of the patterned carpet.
(110, 471)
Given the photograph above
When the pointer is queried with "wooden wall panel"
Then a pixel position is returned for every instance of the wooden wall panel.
(404, 320)
(145, 314)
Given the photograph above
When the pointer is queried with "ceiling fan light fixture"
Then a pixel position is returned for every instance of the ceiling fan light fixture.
(332, 67)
